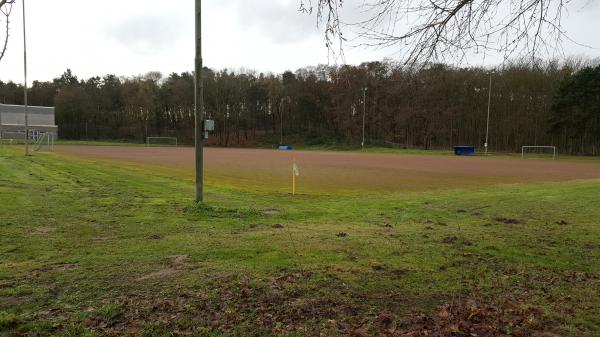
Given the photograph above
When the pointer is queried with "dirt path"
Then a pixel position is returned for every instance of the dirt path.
(335, 172)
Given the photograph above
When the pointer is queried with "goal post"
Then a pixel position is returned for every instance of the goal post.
(161, 141)
(44, 140)
(538, 150)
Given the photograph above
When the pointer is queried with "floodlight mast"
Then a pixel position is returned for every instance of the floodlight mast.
(364, 90)
(199, 107)
(25, 84)
(487, 128)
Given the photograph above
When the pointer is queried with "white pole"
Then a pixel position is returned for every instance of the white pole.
(25, 84)
(364, 90)
(487, 129)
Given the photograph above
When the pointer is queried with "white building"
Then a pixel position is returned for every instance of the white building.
(41, 121)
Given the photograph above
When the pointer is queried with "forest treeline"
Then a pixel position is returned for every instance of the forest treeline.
(431, 107)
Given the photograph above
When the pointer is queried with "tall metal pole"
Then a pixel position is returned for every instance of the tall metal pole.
(487, 129)
(25, 84)
(364, 90)
(199, 107)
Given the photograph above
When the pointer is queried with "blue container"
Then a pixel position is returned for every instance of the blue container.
(464, 150)
(286, 148)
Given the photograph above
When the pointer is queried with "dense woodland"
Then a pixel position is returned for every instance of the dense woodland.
(430, 107)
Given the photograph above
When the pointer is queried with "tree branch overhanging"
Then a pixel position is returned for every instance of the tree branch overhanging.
(5, 10)
(449, 30)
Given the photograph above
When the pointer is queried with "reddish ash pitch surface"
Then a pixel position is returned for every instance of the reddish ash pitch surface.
(340, 172)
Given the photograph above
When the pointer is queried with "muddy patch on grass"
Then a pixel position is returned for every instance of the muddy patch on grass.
(100, 239)
(456, 241)
(64, 266)
(509, 221)
(163, 273)
(60, 267)
(175, 263)
(177, 259)
(591, 245)
(44, 230)
(271, 212)
(13, 301)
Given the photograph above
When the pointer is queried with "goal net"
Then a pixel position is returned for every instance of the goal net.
(39, 140)
(538, 152)
(161, 141)
(43, 141)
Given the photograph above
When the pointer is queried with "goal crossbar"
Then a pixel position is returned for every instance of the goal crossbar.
(149, 141)
(525, 148)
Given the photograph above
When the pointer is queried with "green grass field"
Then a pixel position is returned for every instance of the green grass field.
(88, 249)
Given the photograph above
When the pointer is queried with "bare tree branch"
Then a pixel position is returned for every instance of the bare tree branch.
(5, 10)
(438, 30)
(328, 13)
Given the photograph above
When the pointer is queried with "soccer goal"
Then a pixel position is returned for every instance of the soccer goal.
(161, 141)
(538, 151)
(43, 141)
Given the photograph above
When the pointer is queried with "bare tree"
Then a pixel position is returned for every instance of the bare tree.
(437, 30)
(5, 10)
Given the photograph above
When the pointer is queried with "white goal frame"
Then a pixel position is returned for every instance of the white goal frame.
(172, 138)
(523, 148)
(44, 139)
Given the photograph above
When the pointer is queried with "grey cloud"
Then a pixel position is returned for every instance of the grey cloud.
(280, 21)
(147, 34)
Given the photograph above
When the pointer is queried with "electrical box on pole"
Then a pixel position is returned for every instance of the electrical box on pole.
(209, 125)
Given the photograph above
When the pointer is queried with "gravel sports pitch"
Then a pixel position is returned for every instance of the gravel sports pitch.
(324, 172)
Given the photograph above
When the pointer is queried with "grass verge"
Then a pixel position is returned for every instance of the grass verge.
(91, 249)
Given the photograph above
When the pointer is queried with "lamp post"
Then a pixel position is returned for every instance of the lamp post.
(25, 84)
(288, 100)
(364, 90)
(487, 129)
(281, 122)
(199, 107)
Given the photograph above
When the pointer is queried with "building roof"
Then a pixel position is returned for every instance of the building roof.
(34, 110)
(12, 117)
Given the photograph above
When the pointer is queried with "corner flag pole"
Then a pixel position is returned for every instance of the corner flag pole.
(199, 107)
(294, 172)
(25, 84)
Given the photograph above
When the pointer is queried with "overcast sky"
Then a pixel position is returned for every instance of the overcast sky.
(133, 37)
